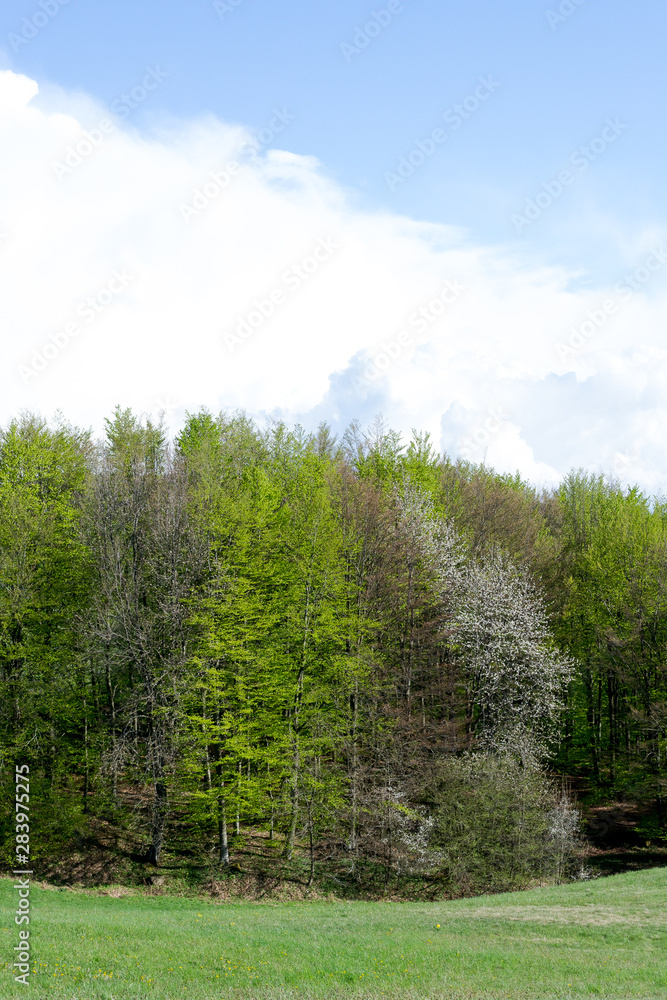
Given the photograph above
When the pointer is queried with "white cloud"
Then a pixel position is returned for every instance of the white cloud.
(345, 337)
(16, 92)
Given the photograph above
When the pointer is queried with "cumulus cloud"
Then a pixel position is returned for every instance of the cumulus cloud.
(202, 264)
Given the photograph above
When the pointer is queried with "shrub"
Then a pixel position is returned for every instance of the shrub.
(500, 824)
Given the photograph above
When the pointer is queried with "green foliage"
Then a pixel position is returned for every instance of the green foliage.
(45, 574)
(499, 824)
(135, 444)
(271, 628)
(614, 621)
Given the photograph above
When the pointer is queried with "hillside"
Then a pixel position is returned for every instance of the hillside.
(606, 938)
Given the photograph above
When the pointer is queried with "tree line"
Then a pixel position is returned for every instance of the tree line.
(363, 648)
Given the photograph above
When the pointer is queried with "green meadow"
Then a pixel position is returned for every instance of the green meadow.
(606, 938)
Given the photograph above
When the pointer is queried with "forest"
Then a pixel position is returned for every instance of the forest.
(389, 666)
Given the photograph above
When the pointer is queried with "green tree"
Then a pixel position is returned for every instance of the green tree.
(45, 684)
(149, 562)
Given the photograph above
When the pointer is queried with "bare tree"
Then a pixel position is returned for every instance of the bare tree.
(149, 559)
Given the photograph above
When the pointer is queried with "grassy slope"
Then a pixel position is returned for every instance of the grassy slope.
(604, 939)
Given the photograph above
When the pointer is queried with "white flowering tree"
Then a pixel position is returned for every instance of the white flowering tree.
(501, 637)
(498, 632)
(493, 819)
(440, 544)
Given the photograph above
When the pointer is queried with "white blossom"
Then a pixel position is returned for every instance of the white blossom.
(502, 638)
(498, 627)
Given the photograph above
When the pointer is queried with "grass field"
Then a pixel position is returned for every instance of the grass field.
(606, 938)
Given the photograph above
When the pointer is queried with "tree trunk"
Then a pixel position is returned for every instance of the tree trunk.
(355, 768)
(160, 806)
(238, 803)
(222, 826)
(291, 832)
(223, 844)
(312, 845)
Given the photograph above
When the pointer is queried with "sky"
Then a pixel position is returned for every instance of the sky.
(451, 214)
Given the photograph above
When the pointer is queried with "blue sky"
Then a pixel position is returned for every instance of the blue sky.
(485, 106)
(358, 113)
